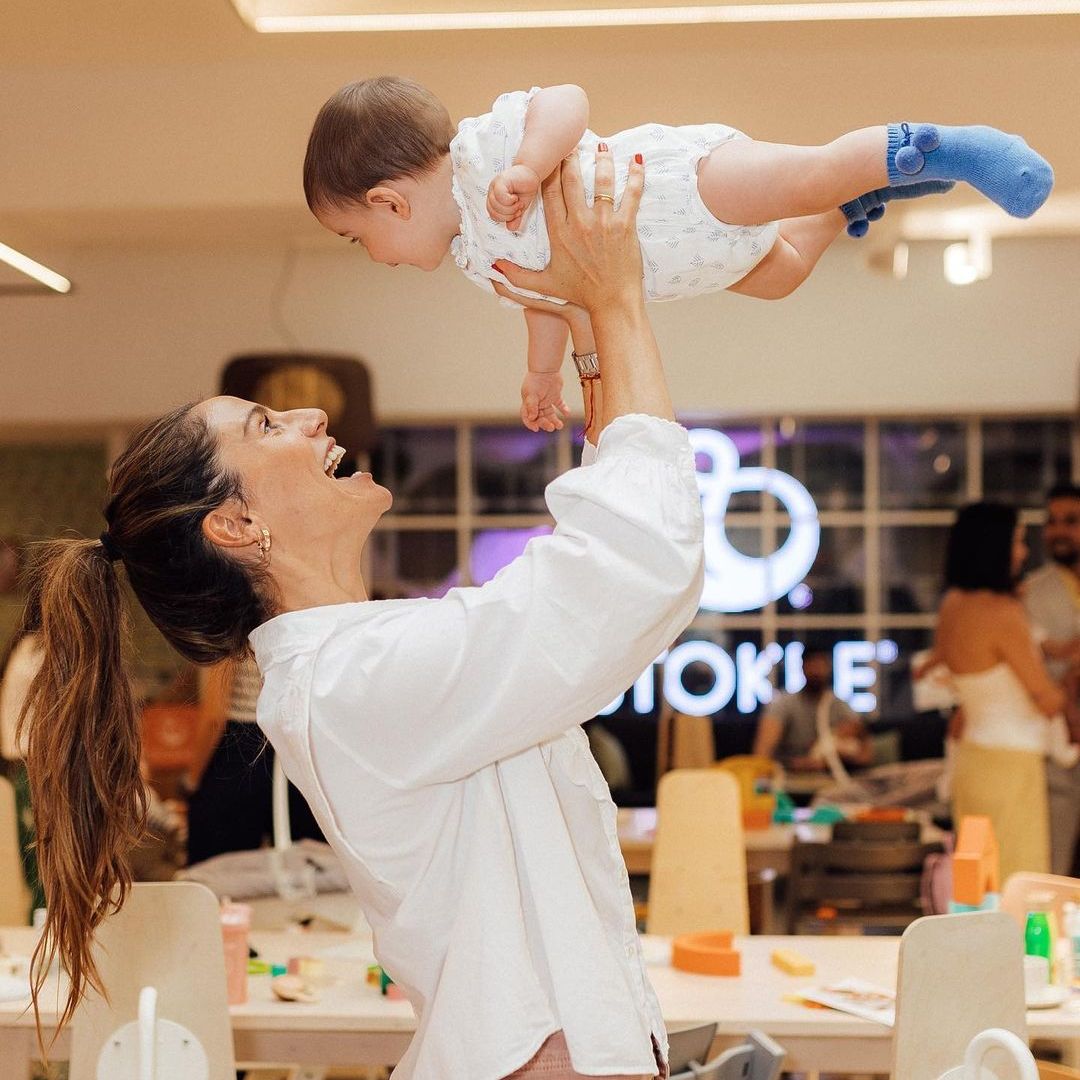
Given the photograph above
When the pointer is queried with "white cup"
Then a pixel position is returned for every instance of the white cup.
(1036, 975)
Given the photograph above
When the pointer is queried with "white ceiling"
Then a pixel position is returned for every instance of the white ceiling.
(163, 124)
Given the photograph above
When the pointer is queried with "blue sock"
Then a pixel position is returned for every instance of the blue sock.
(871, 206)
(1003, 167)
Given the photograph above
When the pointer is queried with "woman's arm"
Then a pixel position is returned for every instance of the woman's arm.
(437, 691)
(1015, 645)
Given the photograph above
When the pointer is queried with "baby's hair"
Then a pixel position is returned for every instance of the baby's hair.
(371, 132)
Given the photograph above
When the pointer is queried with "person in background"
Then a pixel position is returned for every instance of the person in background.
(813, 730)
(230, 806)
(1051, 596)
(985, 639)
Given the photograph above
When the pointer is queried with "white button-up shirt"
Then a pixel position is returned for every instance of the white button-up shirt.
(438, 743)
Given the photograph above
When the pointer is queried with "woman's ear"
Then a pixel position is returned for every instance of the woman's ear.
(388, 198)
(230, 527)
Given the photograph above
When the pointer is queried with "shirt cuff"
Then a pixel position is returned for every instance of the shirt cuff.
(639, 433)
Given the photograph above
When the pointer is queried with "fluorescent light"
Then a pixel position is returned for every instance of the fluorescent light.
(281, 17)
(968, 262)
(24, 264)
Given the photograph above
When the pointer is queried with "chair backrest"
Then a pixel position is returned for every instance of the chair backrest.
(1018, 896)
(877, 831)
(958, 975)
(14, 895)
(689, 1044)
(167, 935)
(698, 875)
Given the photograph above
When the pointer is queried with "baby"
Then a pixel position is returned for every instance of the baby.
(386, 168)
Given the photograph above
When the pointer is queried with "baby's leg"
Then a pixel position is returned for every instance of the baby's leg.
(745, 182)
(802, 241)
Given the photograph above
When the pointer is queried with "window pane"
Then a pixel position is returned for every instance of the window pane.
(406, 563)
(836, 583)
(922, 465)
(511, 468)
(419, 466)
(827, 459)
(912, 567)
(1023, 459)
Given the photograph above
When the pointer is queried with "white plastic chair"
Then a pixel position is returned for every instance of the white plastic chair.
(1005, 1047)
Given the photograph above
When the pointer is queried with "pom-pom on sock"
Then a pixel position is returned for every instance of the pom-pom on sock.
(871, 206)
(1002, 166)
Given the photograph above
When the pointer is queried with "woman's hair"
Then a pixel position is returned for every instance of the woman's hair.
(371, 132)
(84, 745)
(979, 553)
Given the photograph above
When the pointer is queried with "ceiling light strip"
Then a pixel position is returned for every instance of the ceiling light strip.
(725, 13)
(25, 265)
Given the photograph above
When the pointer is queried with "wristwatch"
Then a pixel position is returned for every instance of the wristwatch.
(587, 365)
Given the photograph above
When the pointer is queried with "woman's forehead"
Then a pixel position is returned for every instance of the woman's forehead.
(222, 413)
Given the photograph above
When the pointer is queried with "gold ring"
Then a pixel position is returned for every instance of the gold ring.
(607, 198)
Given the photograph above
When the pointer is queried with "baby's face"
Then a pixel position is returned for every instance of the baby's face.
(387, 236)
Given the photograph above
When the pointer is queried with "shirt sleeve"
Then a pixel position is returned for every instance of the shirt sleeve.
(484, 673)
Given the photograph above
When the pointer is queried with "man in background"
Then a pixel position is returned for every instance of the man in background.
(813, 730)
(1052, 598)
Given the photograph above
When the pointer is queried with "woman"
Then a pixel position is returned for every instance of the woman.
(1006, 696)
(436, 740)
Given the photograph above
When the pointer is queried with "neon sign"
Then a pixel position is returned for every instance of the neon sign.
(735, 582)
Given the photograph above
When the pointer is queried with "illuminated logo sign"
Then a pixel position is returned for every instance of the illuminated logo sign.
(734, 581)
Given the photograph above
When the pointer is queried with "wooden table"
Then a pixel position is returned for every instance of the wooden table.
(353, 1024)
(766, 849)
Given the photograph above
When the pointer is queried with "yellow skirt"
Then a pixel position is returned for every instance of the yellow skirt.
(1009, 787)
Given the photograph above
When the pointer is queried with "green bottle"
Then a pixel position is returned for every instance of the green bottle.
(1037, 936)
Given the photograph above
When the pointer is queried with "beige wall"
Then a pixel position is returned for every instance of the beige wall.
(145, 330)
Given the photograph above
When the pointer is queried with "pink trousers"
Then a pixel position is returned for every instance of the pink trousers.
(552, 1062)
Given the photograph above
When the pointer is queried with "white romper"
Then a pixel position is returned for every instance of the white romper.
(685, 250)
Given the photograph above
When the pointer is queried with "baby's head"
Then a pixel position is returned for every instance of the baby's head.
(372, 170)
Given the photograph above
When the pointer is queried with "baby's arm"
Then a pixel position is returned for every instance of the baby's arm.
(556, 120)
(542, 405)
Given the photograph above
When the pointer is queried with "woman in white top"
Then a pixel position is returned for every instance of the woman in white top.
(437, 741)
(1006, 695)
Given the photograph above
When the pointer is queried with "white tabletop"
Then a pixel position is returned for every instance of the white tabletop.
(353, 1023)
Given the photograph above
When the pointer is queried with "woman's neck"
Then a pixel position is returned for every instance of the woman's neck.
(303, 586)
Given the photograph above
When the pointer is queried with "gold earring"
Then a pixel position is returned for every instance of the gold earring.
(264, 545)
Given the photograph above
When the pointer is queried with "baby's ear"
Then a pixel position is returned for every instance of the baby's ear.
(385, 198)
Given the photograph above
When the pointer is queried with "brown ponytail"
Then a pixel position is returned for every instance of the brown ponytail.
(82, 758)
(84, 749)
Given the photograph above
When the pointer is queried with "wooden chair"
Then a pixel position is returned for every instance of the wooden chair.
(868, 874)
(14, 895)
(1049, 1070)
(167, 936)
(1020, 888)
(698, 877)
(958, 976)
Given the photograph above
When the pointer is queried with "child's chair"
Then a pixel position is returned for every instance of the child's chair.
(759, 1058)
(1000, 1047)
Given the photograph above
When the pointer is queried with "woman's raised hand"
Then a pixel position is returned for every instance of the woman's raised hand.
(595, 256)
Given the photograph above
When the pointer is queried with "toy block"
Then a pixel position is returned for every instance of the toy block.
(706, 954)
(792, 963)
(975, 861)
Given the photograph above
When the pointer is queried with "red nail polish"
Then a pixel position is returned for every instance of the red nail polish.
(639, 159)
(602, 147)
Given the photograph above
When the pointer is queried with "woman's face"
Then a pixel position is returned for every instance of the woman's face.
(1020, 552)
(286, 461)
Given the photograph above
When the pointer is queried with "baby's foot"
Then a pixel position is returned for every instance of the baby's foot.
(871, 206)
(1003, 167)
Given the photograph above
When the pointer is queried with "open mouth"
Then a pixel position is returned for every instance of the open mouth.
(333, 460)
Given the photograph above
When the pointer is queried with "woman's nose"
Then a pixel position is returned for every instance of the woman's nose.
(312, 421)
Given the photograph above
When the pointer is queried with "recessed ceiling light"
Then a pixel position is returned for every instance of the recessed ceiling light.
(25, 265)
(315, 16)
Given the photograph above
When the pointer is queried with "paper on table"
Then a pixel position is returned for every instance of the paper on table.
(858, 997)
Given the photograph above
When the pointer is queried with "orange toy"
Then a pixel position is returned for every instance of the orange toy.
(706, 954)
(758, 779)
(975, 861)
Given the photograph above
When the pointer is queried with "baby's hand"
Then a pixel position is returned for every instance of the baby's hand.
(542, 405)
(511, 193)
